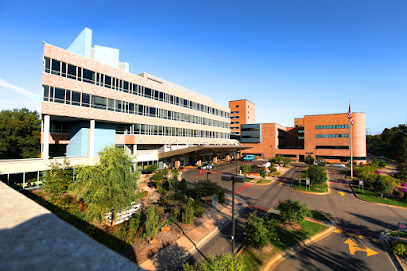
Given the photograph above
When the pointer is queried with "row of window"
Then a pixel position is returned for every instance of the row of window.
(234, 122)
(60, 68)
(332, 126)
(331, 136)
(234, 117)
(300, 131)
(146, 129)
(234, 112)
(301, 137)
(250, 129)
(333, 147)
(65, 96)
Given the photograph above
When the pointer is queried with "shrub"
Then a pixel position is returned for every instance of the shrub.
(152, 222)
(259, 231)
(286, 160)
(399, 248)
(175, 174)
(272, 169)
(150, 169)
(293, 211)
(173, 216)
(57, 179)
(198, 209)
(399, 194)
(183, 185)
(158, 176)
(225, 262)
(382, 185)
(142, 194)
(188, 212)
(206, 188)
(254, 168)
(245, 169)
(221, 195)
(263, 172)
(309, 160)
(382, 163)
(317, 175)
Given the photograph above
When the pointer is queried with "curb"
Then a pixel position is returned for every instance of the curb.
(377, 203)
(282, 255)
(311, 193)
(396, 261)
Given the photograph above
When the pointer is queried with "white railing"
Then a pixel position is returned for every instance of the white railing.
(124, 215)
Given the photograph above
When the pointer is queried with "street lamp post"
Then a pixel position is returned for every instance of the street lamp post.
(207, 174)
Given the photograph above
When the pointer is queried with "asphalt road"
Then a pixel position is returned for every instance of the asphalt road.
(358, 221)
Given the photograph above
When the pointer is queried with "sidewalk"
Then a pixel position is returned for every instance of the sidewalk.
(173, 256)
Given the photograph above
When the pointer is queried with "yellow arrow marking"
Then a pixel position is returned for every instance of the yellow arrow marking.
(280, 183)
(353, 248)
(342, 193)
(337, 231)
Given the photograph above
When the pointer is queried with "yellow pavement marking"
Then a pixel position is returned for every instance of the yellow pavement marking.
(342, 193)
(280, 183)
(337, 231)
(353, 248)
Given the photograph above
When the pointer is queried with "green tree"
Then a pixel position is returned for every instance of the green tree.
(402, 170)
(188, 212)
(309, 160)
(110, 185)
(20, 131)
(207, 188)
(225, 262)
(260, 231)
(183, 185)
(317, 175)
(382, 163)
(293, 211)
(263, 172)
(58, 179)
(278, 159)
(286, 161)
(382, 185)
(152, 223)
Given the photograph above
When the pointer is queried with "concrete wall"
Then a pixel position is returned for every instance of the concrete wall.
(246, 113)
(82, 45)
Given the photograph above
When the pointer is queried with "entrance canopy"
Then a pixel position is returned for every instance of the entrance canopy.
(203, 148)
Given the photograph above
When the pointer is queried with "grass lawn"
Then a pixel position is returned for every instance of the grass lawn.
(255, 258)
(264, 181)
(375, 197)
(322, 188)
(402, 234)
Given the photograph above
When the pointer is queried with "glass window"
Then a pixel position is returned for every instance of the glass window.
(126, 86)
(88, 76)
(108, 81)
(156, 94)
(71, 71)
(56, 67)
(63, 69)
(47, 64)
(85, 99)
(152, 111)
(110, 105)
(147, 92)
(79, 74)
(119, 106)
(59, 95)
(46, 93)
(161, 96)
(98, 102)
(76, 98)
(67, 96)
(131, 108)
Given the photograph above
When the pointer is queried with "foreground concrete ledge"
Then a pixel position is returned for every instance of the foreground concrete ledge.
(32, 238)
(385, 240)
(282, 255)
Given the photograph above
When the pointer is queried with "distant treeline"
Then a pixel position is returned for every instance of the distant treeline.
(391, 143)
(20, 131)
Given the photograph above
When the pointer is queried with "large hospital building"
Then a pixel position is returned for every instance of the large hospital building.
(91, 100)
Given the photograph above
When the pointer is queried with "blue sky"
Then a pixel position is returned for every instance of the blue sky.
(291, 58)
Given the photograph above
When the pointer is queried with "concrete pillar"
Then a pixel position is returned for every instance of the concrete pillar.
(238, 155)
(92, 138)
(135, 149)
(199, 161)
(23, 180)
(215, 159)
(177, 164)
(227, 158)
(45, 142)
(38, 179)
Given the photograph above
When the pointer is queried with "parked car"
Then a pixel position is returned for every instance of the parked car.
(206, 166)
(249, 157)
(339, 165)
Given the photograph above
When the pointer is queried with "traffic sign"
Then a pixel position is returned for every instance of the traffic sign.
(361, 182)
(307, 182)
(402, 226)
